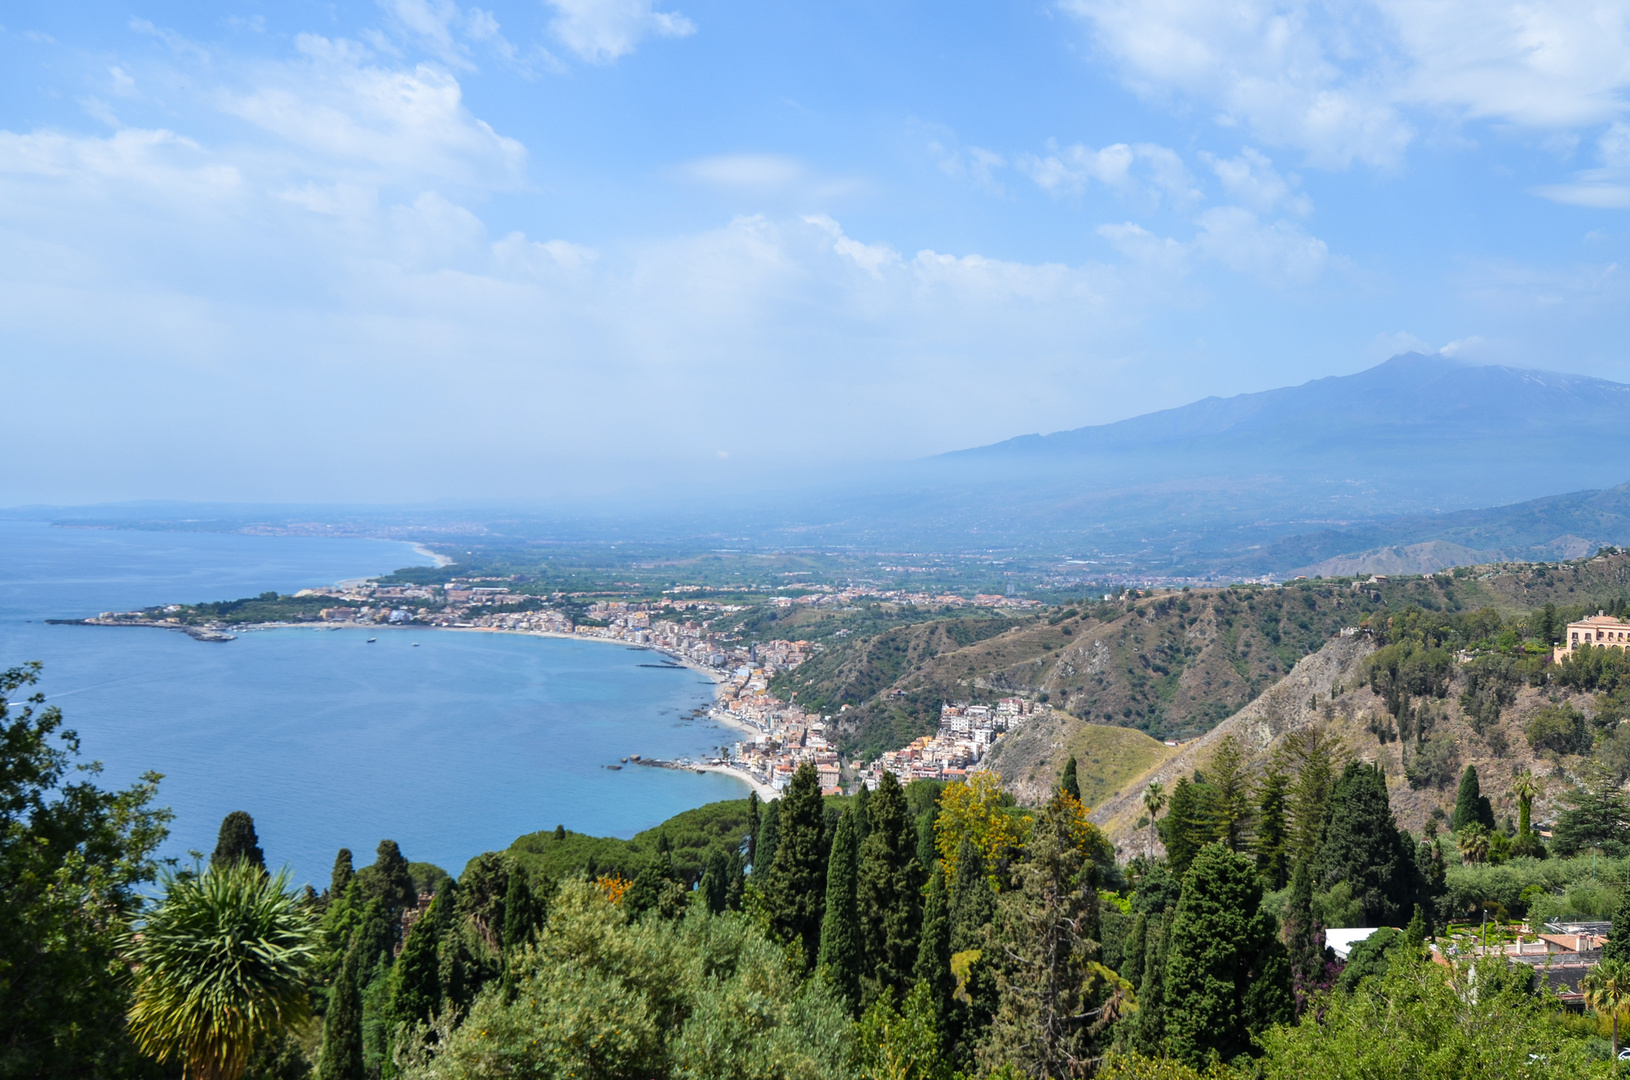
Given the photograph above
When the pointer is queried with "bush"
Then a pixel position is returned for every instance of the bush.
(1435, 763)
(1558, 728)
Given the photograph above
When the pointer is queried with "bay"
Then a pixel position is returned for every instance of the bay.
(451, 748)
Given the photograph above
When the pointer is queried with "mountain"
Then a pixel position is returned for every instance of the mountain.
(1270, 482)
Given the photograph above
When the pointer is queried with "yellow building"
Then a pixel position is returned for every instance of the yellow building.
(1601, 630)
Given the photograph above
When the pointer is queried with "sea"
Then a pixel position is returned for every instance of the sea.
(450, 743)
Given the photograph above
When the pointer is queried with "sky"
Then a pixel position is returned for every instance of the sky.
(412, 249)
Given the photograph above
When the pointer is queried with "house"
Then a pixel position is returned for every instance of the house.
(1602, 630)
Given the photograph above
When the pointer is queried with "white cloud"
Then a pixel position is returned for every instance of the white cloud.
(1251, 180)
(1279, 252)
(600, 31)
(746, 170)
(1340, 82)
(446, 30)
(1150, 171)
(401, 125)
(1606, 188)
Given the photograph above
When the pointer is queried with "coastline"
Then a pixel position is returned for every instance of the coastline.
(439, 561)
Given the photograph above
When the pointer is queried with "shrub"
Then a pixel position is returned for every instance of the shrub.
(1558, 728)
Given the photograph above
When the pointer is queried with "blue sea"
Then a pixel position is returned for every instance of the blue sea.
(450, 748)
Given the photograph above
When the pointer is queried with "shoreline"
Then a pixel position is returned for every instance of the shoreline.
(439, 561)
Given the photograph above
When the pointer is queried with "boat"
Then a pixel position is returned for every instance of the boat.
(372, 640)
(415, 644)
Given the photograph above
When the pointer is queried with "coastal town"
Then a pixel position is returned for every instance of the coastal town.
(778, 736)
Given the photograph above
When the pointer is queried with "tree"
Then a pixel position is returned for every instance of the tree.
(1227, 976)
(1272, 855)
(1189, 824)
(1068, 782)
(904, 1043)
(1310, 756)
(1148, 1024)
(933, 968)
(342, 1025)
(840, 954)
(1154, 800)
(1311, 961)
(1471, 808)
(341, 877)
(1526, 787)
(389, 881)
(1607, 989)
(71, 858)
(237, 842)
(972, 908)
(1230, 780)
(796, 892)
(1363, 847)
(753, 822)
(1618, 939)
(1598, 815)
(1473, 842)
(976, 812)
(1056, 998)
(715, 884)
(222, 961)
(764, 847)
(888, 894)
(416, 977)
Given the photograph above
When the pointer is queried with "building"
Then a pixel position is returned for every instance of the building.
(1601, 630)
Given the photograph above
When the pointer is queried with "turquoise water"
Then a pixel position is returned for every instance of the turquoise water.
(451, 748)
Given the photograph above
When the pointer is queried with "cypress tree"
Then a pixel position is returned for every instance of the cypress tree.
(1148, 1034)
(1307, 955)
(889, 894)
(389, 880)
(374, 937)
(933, 966)
(1227, 976)
(1068, 783)
(973, 903)
(520, 911)
(768, 833)
(927, 847)
(341, 1057)
(1271, 855)
(1618, 939)
(752, 824)
(1137, 943)
(340, 880)
(715, 887)
(237, 842)
(1471, 808)
(735, 881)
(972, 908)
(863, 819)
(416, 977)
(1362, 846)
(797, 887)
(840, 928)
(453, 964)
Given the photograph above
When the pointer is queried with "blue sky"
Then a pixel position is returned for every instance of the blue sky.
(412, 249)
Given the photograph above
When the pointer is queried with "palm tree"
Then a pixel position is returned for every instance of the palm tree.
(223, 959)
(1607, 987)
(1526, 787)
(1473, 841)
(1154, 798)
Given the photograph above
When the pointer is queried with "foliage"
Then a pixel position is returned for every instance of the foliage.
(71, 858)
(1229, 777)
(1310, 755)
(1369, 958)
(693, 836)
(1606, 989)
(1363, 847)
(1422, 1020)
(1471, 805)
(1593, 668)
(1598, 816)
(978, 813)
(1433, 763)
(1189, 824)
(1558, 728)
(601, 997)
(841, 942)
(1068, 782)
(795, 890)
(903, 1043)
(1057, 999)
(342, 1024)
(1227, 975)
(1271, 829)
(237, 841)
(888, 893)
(222, 961)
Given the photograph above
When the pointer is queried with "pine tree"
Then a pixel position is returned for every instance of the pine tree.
(1363, 847)
(1272, 862)
(416, 977)
(237, 842)
(342, 875)
(1230, 780)
(1068, 782)
(1309, 755)
(1055, 996)
(342, 1025)
(933, 967)
(888, 894)
(1227, 976)
(797, 886)
(1187, 825)
(840, 927)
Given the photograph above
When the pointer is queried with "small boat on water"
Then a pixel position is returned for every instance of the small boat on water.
(415, 644)
(372, 640)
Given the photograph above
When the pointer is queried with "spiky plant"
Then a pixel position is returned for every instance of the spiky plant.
(1607, 989)
(222, 960)
(1154, 800)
